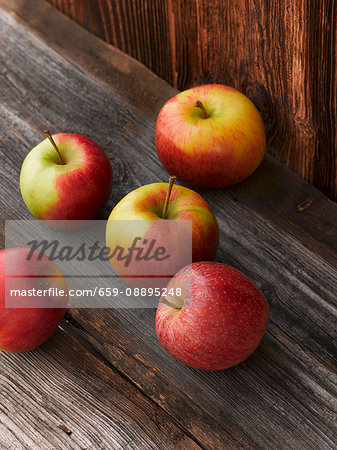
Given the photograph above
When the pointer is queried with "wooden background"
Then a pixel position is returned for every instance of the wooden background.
(281, 54)
(103, 381)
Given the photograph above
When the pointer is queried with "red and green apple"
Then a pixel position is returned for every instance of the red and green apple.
(210, 136)
(176, 218)
(66, 177)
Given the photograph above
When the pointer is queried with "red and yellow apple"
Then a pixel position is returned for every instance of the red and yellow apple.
(66, 177)
(29, 319)
(218, 320)
(187, 231)
(211, 136)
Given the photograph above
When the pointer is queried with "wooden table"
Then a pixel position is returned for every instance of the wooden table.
(103, 380)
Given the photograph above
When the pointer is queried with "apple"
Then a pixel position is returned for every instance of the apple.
(176, 219)
(65, 177)
(27, 321)
(217, 321)
(211, 136)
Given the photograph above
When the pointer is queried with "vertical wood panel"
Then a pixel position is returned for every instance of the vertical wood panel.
(281, 54)
(137, 27)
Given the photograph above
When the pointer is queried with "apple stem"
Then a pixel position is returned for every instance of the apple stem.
(165, 302)
(168, 195)
(49, 136)
(199, 104)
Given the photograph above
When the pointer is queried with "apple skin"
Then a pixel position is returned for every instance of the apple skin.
(219, 151)
(76, 190)
(23, 329)
(223, 322)
(145, 205)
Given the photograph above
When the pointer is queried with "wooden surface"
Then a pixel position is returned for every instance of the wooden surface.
(281, 54)
(103, 380)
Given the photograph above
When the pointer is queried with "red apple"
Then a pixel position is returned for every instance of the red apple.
(24, 328)
(66, 177)
(211, 136)
(217, 321)
(176, 218)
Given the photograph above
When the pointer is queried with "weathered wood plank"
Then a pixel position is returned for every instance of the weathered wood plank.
(293, 372)
(285, 393)
(61, 396)
(280, 394)
(290, 203)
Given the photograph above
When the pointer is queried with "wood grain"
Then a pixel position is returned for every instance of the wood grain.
(139, 28)
(284, 396)
(296, 359)
(62, 396)
(281, 54)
